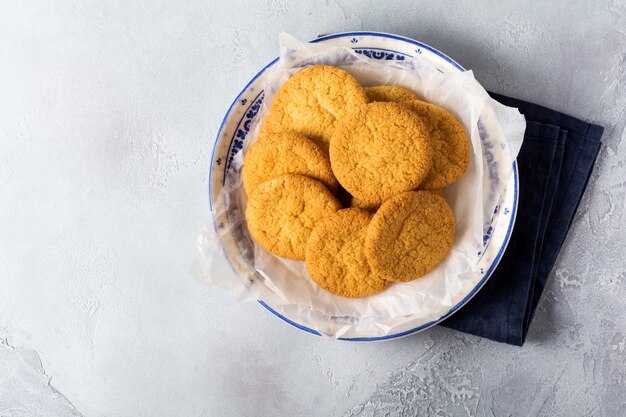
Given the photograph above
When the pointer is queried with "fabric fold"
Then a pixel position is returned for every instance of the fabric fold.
(555, 164)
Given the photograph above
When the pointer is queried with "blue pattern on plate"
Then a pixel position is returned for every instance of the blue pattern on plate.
(382, 54)
(242, 130)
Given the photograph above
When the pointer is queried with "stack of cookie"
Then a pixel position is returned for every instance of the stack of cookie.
(382, 152)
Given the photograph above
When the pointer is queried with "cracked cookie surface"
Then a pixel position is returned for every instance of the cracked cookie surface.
(335, 258)
(276, 154)
(409, 235)
(282, 212)
(312, 101)
(379, 150)
(451, 146)
(390, 93)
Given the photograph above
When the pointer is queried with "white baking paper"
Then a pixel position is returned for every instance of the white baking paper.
(285, 285)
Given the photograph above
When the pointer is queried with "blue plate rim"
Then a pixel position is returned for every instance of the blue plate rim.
(494, 264)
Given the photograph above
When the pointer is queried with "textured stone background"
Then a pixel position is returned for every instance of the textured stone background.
(107, 114)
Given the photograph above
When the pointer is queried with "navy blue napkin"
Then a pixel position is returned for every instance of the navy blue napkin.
(555, 163)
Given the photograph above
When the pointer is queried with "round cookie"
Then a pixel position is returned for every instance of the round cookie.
(380, 150)
(286, 153)
(334, 255)
(312, 101)
(451, 146)
(282, 212)
(390, 93)
(409, 235)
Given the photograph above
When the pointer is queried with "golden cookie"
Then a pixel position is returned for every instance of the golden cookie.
(451, 145)
(440, 193)
(312, 101)
(282, 212)
(390, 93)
(286, 153)
(409, 235)
(335, 258)
(356, 203)
(380, 150)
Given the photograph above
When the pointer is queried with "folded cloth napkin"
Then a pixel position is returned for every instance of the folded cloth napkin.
(554, 163)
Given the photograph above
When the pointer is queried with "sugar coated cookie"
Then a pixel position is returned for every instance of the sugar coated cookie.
(335, 258)
(409, 235)
(451, 146)
(311, 102)
(286, 153)
(282, 212)
(390, 93)
(380, 150)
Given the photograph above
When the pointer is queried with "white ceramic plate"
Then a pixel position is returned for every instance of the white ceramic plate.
(236, 125)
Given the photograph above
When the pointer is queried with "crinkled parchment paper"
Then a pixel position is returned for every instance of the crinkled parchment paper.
(251, 273)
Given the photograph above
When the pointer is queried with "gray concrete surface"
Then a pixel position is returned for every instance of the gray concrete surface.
(107, 114)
